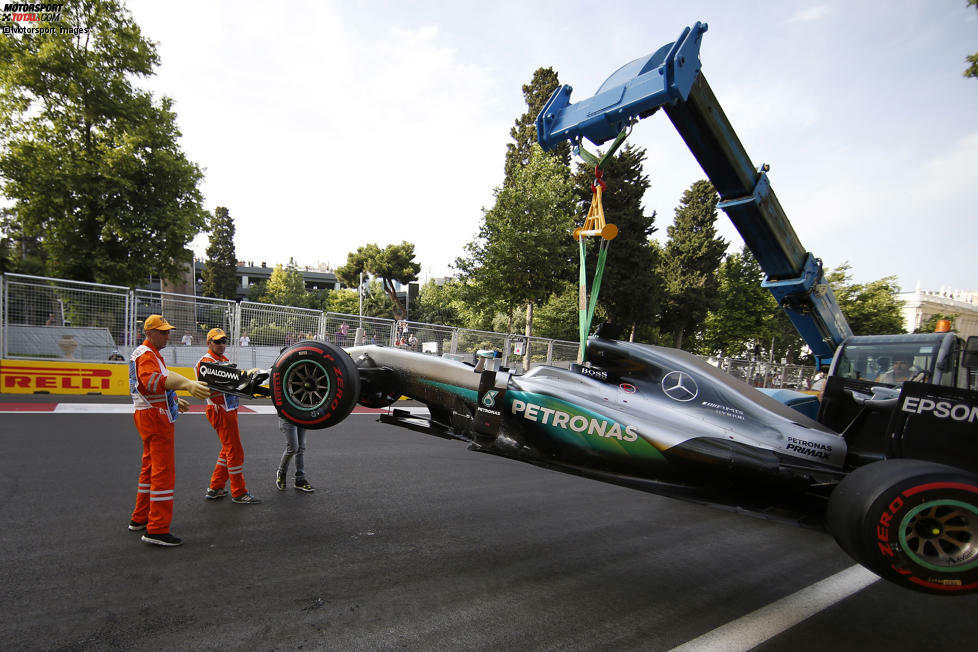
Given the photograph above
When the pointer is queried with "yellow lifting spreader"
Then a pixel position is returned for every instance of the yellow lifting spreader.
(594, 223)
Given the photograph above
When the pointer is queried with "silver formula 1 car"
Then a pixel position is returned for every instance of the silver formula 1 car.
(664, 421)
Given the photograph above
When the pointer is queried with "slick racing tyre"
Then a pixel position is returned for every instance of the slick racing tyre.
(314, 384)
(912, 522)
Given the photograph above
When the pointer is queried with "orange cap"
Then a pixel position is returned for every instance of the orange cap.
(156, 323)
(215, 334)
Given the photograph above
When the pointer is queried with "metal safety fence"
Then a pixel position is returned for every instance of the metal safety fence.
(191, 317)
(263, 329)
(63, 319)
(55, 319)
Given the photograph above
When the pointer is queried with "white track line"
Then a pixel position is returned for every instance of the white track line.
(753, 629)
(124, 408)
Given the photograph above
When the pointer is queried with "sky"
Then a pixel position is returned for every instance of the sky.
(324, 126)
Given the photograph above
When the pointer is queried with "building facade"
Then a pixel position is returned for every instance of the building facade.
(919, 306)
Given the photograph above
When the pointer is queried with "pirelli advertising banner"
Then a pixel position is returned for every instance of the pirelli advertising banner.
(936, 423)
(68, 377)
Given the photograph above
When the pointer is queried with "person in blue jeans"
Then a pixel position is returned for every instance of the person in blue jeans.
(295, 446)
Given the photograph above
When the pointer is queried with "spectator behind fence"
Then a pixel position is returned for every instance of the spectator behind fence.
(187, 338)
(115, 356)
(244, 340)
(342, 333)
(153, 394)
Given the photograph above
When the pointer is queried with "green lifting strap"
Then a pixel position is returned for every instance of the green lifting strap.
(592, 159)
(585, 312)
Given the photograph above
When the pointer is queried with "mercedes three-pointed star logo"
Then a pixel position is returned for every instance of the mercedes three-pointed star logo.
(679, 386)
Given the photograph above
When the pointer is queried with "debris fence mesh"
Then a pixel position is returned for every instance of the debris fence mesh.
(55, 319)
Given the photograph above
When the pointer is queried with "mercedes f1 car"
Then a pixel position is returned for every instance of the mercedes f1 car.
(664, 421)
(889, 470)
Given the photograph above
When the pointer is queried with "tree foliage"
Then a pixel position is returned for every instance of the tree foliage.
(91, 162)
(286, 287)
(747, 316)
(972, 69)
(393, 263)
(219, 273)
(690, 261)
(744, 307)
(376, 303)
(524, 133)
(870, 308)
(441, 304)
(630, 290)
(557, 318)
(19, 253)
(523, 250)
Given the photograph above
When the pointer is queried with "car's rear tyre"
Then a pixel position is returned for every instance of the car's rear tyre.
(912, 522)
(314, 384)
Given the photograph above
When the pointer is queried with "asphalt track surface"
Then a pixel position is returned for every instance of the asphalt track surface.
(410, 542)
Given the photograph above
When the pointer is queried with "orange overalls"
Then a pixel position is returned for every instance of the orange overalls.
(156, 410)
(222, 412)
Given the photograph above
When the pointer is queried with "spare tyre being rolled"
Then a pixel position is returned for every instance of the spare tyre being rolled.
(314, 384)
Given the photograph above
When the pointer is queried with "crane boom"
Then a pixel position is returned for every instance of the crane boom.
(671, 79)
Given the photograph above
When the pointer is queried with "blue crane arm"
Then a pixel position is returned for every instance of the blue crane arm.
(671, 79)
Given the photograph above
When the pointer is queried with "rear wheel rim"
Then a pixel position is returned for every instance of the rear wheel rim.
(941, 535)
(307, 385)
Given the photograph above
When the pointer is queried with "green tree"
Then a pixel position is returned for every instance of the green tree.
(630, 287)
(557, 318)
(523, 250)
(256, 291)
(345, 301)
(90, 162)
(447, 303)
(524, 133)
(690, 262)
(393, 263)
(747, 315)
(738, 320)
(439, 303)
(870, 308)
(219, 275)
(376, 303)
(286, 287)
(972, 69)
(19, 253)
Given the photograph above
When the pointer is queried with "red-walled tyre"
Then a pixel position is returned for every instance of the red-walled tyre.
(314, 384)
(912, 522)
